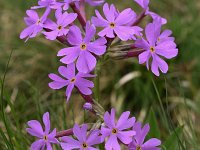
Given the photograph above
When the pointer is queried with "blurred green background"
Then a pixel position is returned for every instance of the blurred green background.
(167, 102)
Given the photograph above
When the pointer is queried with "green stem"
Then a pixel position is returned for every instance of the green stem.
(161, 105)
(97, 81)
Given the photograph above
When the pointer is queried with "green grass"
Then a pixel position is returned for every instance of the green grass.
(170, 103)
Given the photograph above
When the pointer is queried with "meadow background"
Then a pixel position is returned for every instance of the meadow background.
(171, 103)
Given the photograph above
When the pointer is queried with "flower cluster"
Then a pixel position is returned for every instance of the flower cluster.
(83, 47)
(112, 134)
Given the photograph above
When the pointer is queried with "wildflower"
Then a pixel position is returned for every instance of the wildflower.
(34, 23)
(153, 48)
(83, 49)
(59, 28)
(71, 80)
(117, 131)
(145, 5)
(115, 23)
(84, 141)
(138, 140)
(45, 137)
(48, 4)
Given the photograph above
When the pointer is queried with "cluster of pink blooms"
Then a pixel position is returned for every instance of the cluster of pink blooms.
(84, 45)
(112, 134)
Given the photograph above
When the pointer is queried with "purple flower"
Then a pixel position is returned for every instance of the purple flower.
(138, 140)
(145, 5)
(153, 48)
(117, 131)
(83, 49)
(84, 141)
(48, 4)
(34, 23)
(116, 23)
(71, 80)
(59, 28)
(45, 138)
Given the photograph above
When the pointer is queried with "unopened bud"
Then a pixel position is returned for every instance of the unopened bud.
(87, 106)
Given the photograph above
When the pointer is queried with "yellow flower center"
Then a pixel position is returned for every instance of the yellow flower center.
(112, 25)
(138, 148)
(38, 22)
(45, 138)
(59, 27)
(73, 80)
(83, 46)
(114, 131)
(152, 49)
(84, 145)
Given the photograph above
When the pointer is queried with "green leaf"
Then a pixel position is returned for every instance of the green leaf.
(154, 130)
(172, 141)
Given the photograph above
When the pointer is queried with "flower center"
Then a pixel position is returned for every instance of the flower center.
(112, 25)
(38, 22)
(158, 39)
(84, 145)
(73, 80)
(45, 138)
(138, 148)
(59, 27)
(83, 46)
(152, 49)
(114, 131)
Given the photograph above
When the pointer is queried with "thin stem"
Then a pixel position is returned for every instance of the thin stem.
(64, 133)
(97, 81)
(80, 16)
(87, 98)
(133, 53)
(82, 8)
(139, 18)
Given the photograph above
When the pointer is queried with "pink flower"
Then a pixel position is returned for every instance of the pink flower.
(34, 23)
(45, 137)
(116, 23)
(117, 131)
(156, 46)
(138, 140)
(83, 49)
(84, 141)
(71, 80)
(60, 27)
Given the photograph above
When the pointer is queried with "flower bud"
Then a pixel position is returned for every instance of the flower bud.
(87, 106)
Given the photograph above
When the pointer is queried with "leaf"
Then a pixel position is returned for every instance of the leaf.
(173, 139)
(154, 129)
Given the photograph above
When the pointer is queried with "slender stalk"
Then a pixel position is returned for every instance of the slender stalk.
(139, 18)
(97, 81)
(161, 104)
(64, 133)
(82, 9)
(133, 53)
(80, 16)
(9, 133)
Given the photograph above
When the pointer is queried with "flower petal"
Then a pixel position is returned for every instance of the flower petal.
(35, 128)
(46, 121)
